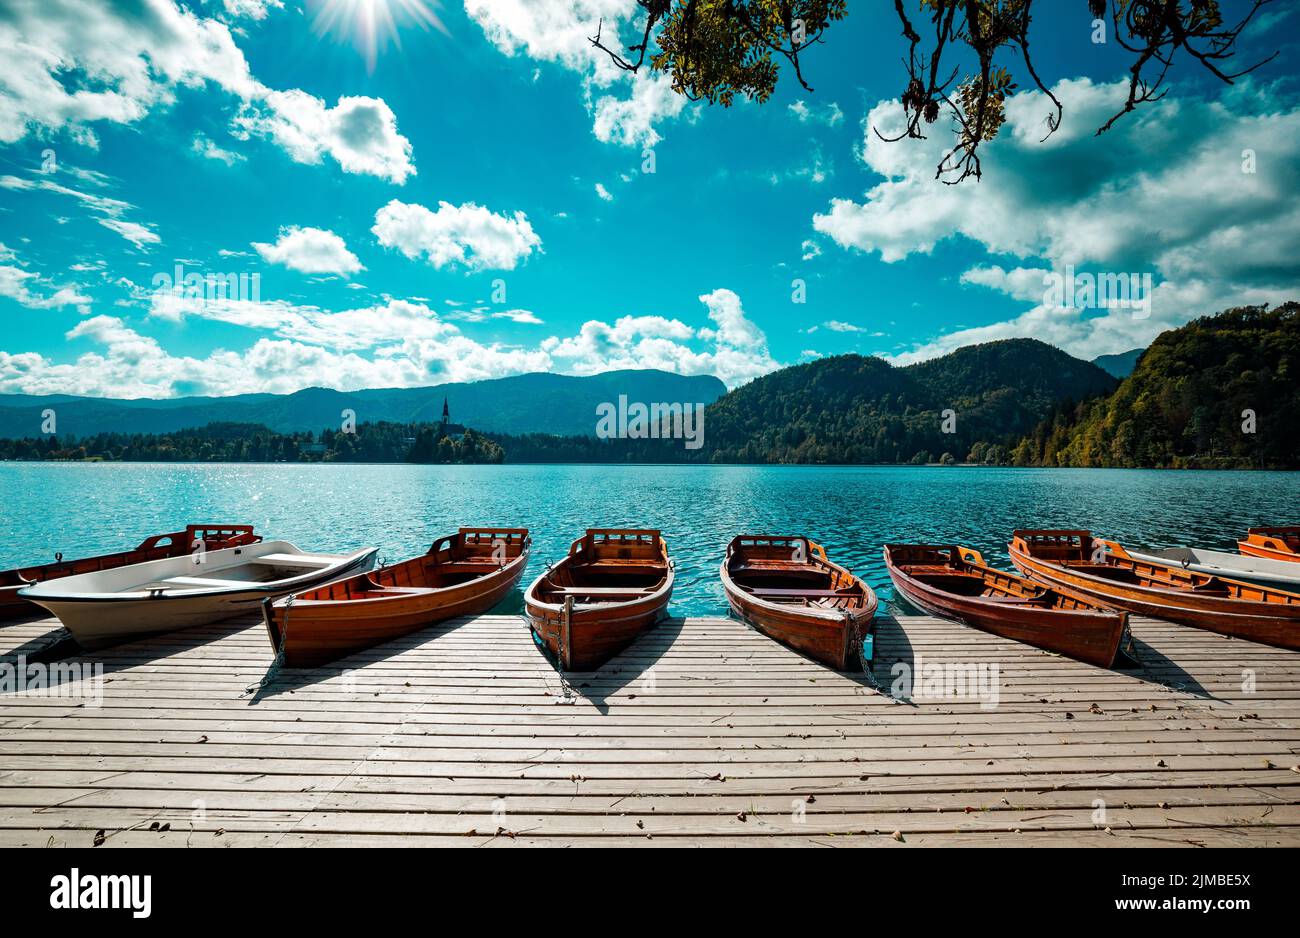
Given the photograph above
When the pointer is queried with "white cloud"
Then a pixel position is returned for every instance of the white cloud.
(550, 30)
(70, 64)
(1162, 193)
(111, 209)
(836, 325)
(521, 316)
(359, 132)
(466, 234)
(17, 283)
(354, 329)
(204, 146)
(138, 234)
(631, 121)
(559, 31)
(310, 250)
(828, 114)
(810, 249)
(603, 192)
(1022, 283)
(252, 9)
(399, 343)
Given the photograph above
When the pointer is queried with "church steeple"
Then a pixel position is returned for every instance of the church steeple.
(446, 411)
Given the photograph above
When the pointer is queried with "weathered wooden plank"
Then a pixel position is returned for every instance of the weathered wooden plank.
(703, 732)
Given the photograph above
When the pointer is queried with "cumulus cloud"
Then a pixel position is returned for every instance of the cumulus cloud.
(550, 30)
(310, 250)
(631, 121)
(399, 343)
(1162, 193)
(359, 132)
(625, 107)
(735, 348)
(467, 234)
(603, 192)
(72, 64)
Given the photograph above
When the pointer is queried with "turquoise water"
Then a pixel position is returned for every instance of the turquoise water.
(87, 508)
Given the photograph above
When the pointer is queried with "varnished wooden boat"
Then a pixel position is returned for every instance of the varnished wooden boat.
(787, 589)
(614, 584)
(1272, 543)
(1105, 571)
(466, 573)
(955, 583)
(158, 547)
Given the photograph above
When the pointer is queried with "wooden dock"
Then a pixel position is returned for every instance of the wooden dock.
(702, 733)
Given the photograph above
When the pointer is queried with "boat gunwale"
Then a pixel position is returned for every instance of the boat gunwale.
(1214, 604)
(1097, 609)
(419, 591)
(817, 555)
(556, 610)
(346, 562)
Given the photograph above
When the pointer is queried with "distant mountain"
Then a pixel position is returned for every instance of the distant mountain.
(544, 403)
(1220, 392)
(1120, 365)
(852, 409)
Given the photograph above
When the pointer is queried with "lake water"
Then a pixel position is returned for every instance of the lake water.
(87, 508)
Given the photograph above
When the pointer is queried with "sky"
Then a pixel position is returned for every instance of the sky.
(405, 193)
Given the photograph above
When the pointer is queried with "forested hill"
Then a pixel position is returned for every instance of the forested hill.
(852, 409)
(1193, 400)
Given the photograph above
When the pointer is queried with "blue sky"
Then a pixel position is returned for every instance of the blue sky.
(472, 202)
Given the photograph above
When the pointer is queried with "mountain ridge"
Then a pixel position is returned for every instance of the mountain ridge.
(534, 402)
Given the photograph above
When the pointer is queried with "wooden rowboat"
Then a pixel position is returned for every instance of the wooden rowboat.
(158, 547)
(1273, 543)
(954, 583)
(465, 573)
(107, 607)
(1279, 574)
(787, 589)
(1105, 571)
(614, 584)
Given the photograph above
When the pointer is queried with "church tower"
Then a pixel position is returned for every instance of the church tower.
(446, 412)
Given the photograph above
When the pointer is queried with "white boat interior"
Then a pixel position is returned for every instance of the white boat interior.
(1282, 573)
(270, 563)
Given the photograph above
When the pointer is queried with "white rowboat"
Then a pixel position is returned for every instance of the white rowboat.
(108, 607)
(1280, 574)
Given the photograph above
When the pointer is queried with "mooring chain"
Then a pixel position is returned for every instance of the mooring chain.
(560, 645)
(274, 670)
(862, 656)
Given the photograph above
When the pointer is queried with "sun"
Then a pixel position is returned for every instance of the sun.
(370, 25)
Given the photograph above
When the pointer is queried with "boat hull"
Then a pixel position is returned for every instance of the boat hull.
(1091, 637)
(103, 620)
(1264, 622)
(810, 620)
(1278, 574)
(157, 547)
(585, 635)
(594, 635)
(1281, 544)
(321, 632)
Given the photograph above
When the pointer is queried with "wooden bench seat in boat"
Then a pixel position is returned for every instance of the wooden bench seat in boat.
(772, 593)
(600, 590)
(295, 560)
(197, 581)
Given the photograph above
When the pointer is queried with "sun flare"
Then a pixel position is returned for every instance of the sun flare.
(370, 25)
